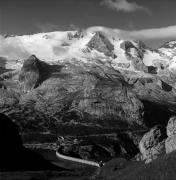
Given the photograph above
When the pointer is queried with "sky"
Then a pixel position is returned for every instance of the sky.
(153, 21)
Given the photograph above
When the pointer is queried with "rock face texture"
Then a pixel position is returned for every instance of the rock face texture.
(152, 145)
(30, 73)
(80, 102)
(91, 96)
(152, 89)
(90, 83)
(102, 44)
(82, 99)
(135, 55)
(171, 126)
(74, 101)
(33, 73)
(170, 144)
(171, 132)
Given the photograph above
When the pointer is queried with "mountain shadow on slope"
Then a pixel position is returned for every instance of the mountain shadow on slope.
(34, 72)
(155, 114)
(13, 156)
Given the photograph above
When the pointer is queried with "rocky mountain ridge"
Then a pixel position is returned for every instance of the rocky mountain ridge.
(79, 84)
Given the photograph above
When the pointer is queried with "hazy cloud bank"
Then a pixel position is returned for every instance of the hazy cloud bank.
(125, 6)
(13, 47)
(146, 34)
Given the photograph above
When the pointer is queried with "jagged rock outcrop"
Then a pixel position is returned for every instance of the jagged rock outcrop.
(170, 144)
(135, 55)
(102, 44)
(171, 126)
(171, 132)
(29, 74)
(152, 89)
(169, 45)
(33, 73)
(152, 145)
(131, 50)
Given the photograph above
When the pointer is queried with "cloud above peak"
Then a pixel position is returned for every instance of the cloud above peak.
(145, 34)
(124, 6)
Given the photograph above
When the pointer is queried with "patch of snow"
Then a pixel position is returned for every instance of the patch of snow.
(172, 64)
(166, 51)
(119, 52)
(149, 56)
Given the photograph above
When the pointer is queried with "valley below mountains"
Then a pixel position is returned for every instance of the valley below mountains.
(92, 96)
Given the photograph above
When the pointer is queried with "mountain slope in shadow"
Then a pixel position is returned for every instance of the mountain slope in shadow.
(15, 157)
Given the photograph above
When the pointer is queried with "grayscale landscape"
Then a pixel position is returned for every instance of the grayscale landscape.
(90, 97)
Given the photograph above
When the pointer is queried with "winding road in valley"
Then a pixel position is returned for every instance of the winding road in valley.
(77, 160)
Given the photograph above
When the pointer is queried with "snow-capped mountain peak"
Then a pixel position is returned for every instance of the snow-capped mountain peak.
(87, 46)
